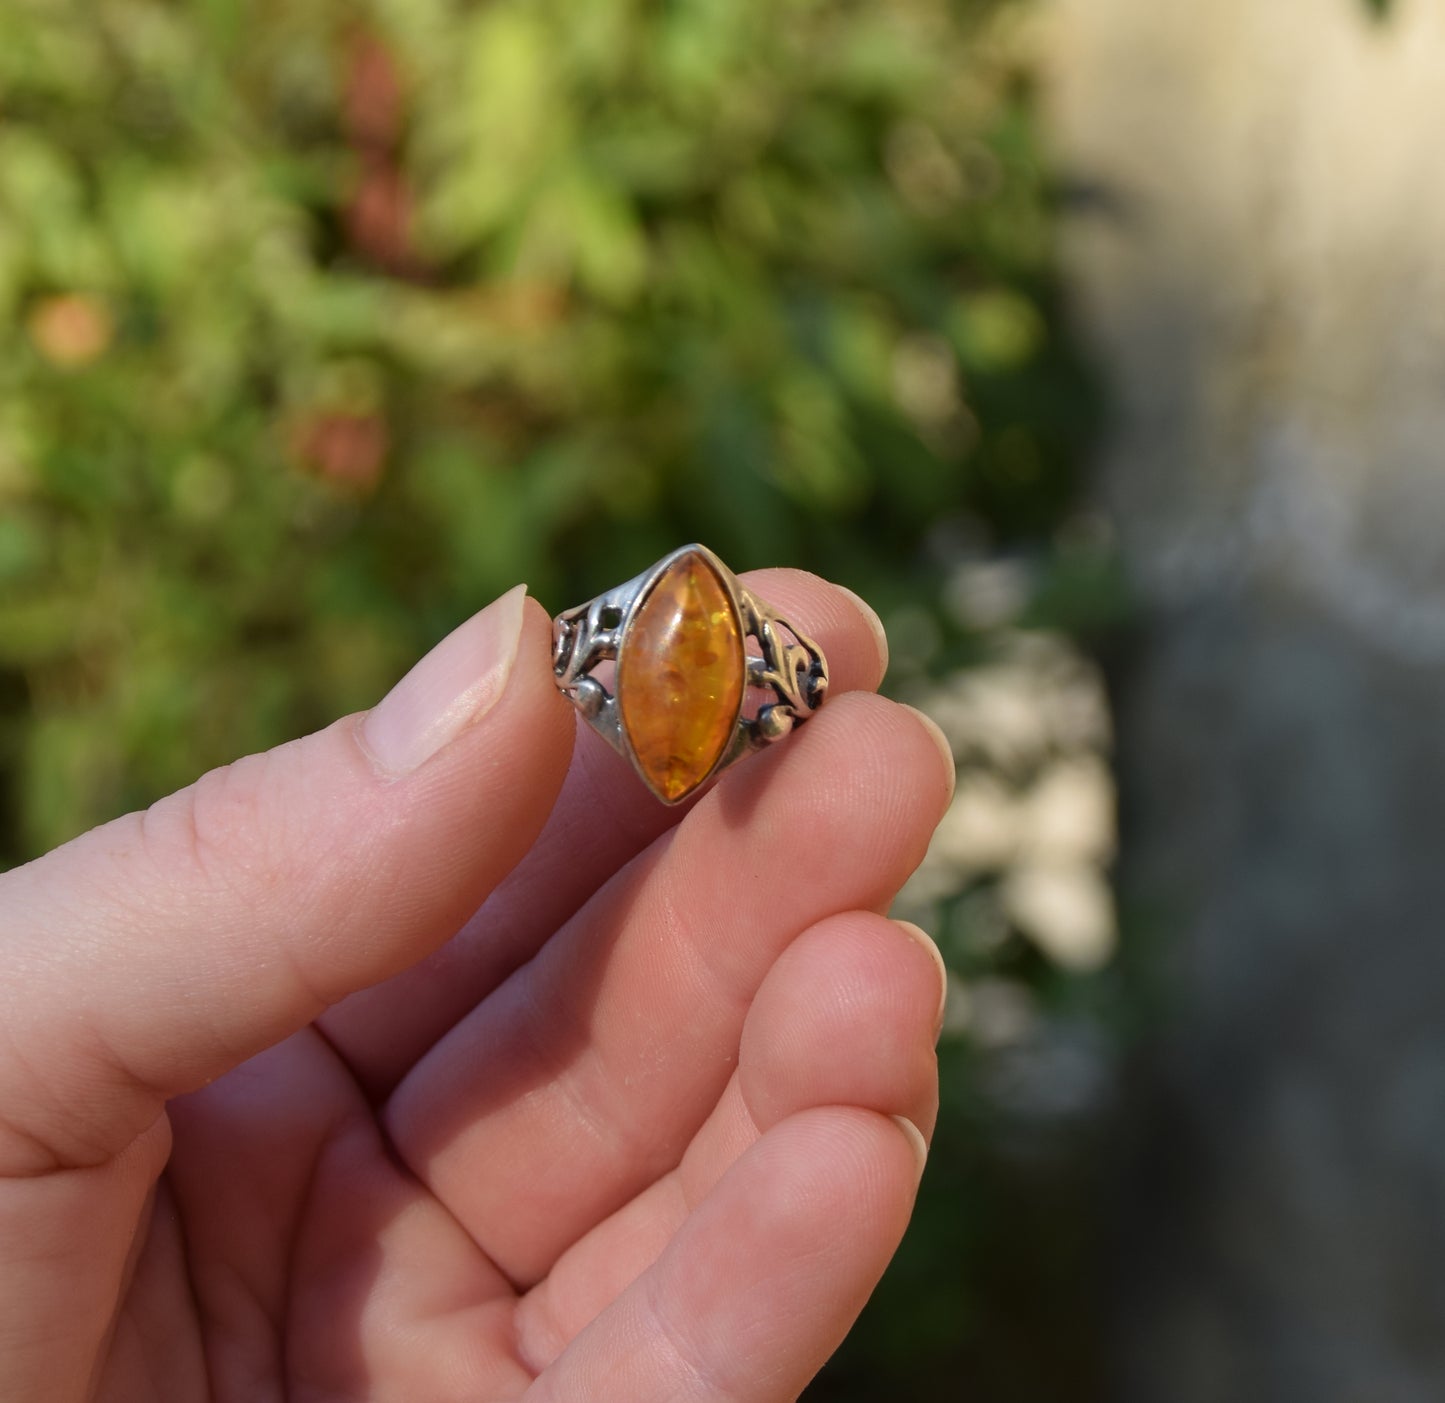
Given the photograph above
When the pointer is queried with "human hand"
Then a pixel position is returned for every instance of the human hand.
(611, 1119)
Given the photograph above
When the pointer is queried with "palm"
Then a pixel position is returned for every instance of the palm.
(620, 1138)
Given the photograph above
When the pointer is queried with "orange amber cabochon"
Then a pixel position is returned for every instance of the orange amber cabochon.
(680, 676)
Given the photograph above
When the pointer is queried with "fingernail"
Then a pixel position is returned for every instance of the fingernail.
(875, 625)
(945, 748)
(914, 1136)
(922, 937)
(456, 684)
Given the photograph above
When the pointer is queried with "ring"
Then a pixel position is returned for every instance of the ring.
(673, 643)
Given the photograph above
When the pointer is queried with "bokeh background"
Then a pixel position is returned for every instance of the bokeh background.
(1099, 343)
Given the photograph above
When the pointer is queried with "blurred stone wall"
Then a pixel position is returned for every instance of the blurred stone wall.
(1257, 243)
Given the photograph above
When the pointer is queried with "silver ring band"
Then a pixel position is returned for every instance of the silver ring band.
(675, 642)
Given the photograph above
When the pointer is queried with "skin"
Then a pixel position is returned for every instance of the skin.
(497, 1079)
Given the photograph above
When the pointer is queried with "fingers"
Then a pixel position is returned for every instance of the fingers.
(309, 1251)
(603, 819)
(65, 1240)
(166, 947)
(584, 1076)
(847, 1017)
(764, 1278)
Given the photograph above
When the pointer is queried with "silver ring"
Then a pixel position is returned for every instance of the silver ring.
(673, 643)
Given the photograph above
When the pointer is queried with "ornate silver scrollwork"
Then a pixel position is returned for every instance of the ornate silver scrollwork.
(789, 665)
(796, 671)
(591, 634)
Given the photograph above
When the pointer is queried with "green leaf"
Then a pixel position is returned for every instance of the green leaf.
(493, 132)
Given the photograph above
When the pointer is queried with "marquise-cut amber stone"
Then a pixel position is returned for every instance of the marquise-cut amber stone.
(680, 677)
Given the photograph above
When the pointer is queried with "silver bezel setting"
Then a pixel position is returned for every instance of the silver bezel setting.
(790, 665)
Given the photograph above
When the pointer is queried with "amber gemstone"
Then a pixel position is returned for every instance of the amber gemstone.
(680, 677)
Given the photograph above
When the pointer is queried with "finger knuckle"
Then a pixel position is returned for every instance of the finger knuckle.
(219, 831)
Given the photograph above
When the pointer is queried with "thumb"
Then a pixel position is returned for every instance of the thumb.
(152, 954)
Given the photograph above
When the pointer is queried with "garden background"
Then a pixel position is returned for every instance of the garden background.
(321, 323)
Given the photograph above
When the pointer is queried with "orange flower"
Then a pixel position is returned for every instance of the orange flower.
(70, 329)
(347, 449)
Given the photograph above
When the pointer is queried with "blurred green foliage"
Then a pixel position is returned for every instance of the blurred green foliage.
(324, 322)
